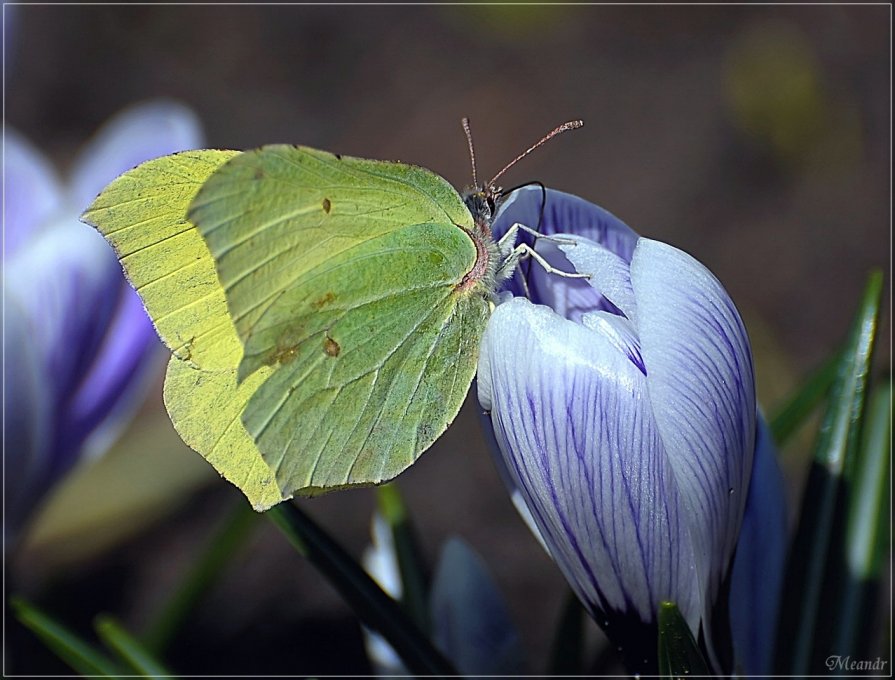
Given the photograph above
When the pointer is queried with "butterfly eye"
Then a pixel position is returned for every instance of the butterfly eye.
(492, 206)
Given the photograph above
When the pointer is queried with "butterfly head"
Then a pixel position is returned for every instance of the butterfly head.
(482, 202)
(484, 199)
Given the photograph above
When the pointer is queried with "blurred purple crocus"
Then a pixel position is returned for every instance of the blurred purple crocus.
(624, 410)
(79, 348)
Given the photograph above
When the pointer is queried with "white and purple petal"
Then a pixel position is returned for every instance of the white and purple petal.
(610, 274)
(572, 418)
(470, 621)
(68, 285)
(700, 378)
(702, 387)
(381, 562)
(648, 401)
(562, 214)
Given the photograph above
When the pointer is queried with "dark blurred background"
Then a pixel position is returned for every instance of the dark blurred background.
(756, 138)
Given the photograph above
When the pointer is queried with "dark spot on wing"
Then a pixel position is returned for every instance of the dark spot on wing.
(338, 156)
(331, 347)
(187, 349)
(259, 172)
(283, 355)
(286, 348)
(327, 205)
(323, 300)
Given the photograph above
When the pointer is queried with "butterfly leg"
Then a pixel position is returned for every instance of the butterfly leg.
(553, 238)
(523, 250)
(511, 254)
(507, 242)
(509, 257)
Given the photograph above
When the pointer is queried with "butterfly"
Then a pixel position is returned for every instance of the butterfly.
(323, 312)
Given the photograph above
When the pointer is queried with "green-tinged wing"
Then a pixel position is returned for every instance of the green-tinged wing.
(342, 277)
(143, 215)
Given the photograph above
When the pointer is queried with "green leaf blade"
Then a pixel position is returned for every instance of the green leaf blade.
(868, 512)
(202, 575)
(567, 650)
(819, 539)
(866, 537)
(679, 655)
(788, 418)
(67, 645)
(411, 567)
(129, 649)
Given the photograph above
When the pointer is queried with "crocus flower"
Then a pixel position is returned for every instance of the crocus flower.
(79, 349)
(624, 410)
(470, 620)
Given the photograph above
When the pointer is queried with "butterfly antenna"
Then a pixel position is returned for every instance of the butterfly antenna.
(475, 180)
(571, 125)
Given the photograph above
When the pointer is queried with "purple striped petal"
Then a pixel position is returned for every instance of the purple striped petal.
(756, 576)
(129, 358)
(701, 382)
(67, 280)
(70, 287)
(516, 497)
(562, 214)
(610, 275)
(573, 420)
(629, 433)
(699, 366)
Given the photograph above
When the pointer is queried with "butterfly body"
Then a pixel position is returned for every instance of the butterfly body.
(482, 205)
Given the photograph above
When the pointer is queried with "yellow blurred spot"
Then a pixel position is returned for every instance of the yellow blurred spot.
(777, 95)
(148, 474)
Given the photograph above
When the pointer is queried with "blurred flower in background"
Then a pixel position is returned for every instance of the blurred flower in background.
(79, 350)
(469, 618)
(624, 411)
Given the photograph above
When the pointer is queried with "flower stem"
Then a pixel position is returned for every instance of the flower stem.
(376, 609)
